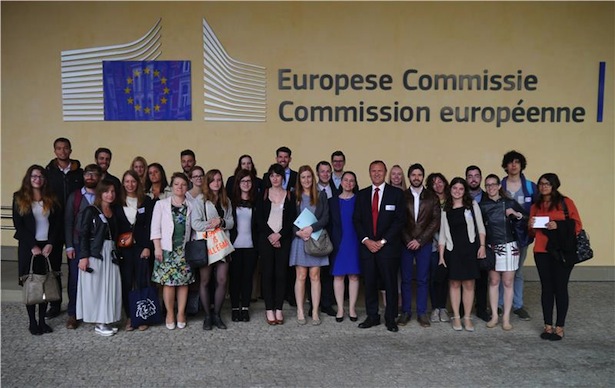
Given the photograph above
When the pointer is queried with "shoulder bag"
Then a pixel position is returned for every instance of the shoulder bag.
(584, 250)
(40, 288)
(319, 248)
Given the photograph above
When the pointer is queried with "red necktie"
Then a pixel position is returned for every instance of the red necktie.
(375, 201)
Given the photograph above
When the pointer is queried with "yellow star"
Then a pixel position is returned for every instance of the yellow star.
(131, 101)
(147, 111)
(156, 73)
(163, 80)
(166, 90)
(163, 100)
(127, 90)
(137, 107)
(147, 70)
(129, 81)
(136, 73)
(157, 108)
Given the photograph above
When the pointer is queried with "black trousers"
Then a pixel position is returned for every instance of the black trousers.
(134, 272)
(384, 269)
(554, 278)
(480, 292)
(241, 273)
(274, 268)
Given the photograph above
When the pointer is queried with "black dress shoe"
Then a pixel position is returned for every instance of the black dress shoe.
(369, 322)
(218, 322)
(53, 312)
(245, 315)
(340, 319)
(35, 330)
(45, 328)
(329, 311)
(392, 327)
(235, 316)
(207, 323)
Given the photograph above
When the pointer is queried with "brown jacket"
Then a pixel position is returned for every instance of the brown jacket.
(428, 220)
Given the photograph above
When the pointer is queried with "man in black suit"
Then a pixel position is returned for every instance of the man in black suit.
(378, 218)
(283, 156)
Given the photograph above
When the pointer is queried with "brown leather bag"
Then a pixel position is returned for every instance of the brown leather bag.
(125, 240)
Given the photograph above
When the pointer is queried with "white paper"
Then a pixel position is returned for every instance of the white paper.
(541, 222)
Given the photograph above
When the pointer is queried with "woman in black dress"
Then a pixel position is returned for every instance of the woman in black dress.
(459, 247)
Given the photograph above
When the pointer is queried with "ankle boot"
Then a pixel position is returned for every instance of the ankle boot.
(218, 322)
(207, 322)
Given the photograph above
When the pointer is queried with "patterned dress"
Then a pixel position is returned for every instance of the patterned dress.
(174, 269)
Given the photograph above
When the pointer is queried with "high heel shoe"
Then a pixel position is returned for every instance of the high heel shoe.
(457, 323)
(491, 324)
(353, 319)
(558, 334)
(547, 332)
(339, 319)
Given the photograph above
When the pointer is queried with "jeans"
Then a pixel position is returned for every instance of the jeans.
(408, 258)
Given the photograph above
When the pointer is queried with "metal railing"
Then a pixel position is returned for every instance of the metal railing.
(7, 218)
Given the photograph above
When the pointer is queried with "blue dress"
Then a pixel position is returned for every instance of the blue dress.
(347, 258)
(297, 251)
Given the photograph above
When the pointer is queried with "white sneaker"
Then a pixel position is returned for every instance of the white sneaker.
(435, 315)
(444, 317)
(104, 330)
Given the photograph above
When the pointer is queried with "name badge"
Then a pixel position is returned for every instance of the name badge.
(389, 208)
(528, 199)
(141, 210)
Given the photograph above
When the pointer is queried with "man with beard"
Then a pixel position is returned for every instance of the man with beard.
(64, 176)
(283, 158)
(423, 221)
(103, 160)
(474, 177)
(75, 205)
(525, 192)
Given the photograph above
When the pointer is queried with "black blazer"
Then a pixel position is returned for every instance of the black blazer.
(142, 227)
(25, 234)
(391, 220)
(263, 208)
(291, 183)
(253, 225)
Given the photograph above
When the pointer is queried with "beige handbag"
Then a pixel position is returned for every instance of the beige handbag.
(40, 288)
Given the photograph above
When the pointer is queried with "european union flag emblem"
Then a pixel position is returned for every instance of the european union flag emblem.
(147, 90)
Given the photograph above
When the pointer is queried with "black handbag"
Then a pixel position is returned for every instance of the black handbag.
(584, 250)
(196, 253)
(488, 263)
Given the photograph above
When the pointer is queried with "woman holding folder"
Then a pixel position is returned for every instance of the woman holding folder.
(308, 199)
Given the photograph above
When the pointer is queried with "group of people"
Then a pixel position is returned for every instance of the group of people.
(453, 238)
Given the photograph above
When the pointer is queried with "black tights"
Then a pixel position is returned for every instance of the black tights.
(42, 309)
(220, 293)
(554, 278)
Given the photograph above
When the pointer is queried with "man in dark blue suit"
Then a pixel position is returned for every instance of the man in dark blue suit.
(379, 217)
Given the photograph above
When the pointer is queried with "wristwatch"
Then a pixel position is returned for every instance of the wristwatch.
(383, 241)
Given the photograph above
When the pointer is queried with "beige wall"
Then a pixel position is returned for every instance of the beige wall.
(561, 43)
